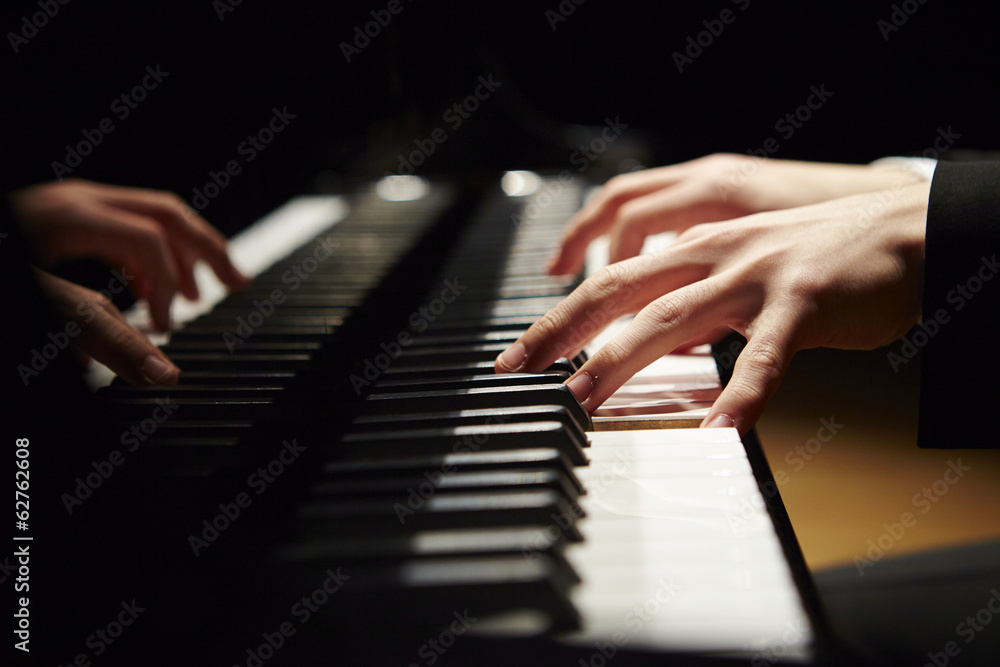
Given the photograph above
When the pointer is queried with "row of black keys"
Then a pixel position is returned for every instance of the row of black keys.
(449, 487)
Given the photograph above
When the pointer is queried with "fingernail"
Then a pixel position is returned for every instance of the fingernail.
(581, 385)
(719, 421)
(155, 370)
(513, 357)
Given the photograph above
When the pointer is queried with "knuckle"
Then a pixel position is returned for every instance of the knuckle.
(617, 184)
(612, 355)
(695, 232)
(550, 325)
(150, 236)
(100, 300)
(617, 191)
(725, 160)
(745, 391)
(607, 281)
(799, 282)
(766, 356)
(667, 310)
(169, 200)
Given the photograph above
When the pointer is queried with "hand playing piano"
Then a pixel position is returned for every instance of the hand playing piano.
(845, 273)
(154, 235)
(712, 188)
(106, 335)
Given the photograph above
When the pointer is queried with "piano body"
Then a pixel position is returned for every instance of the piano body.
(340, 477)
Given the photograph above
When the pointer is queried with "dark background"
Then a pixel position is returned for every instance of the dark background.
(607, 59)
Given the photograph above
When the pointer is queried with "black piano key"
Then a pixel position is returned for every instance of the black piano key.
(216, 391)
(194, 408)
(403, 489)
(214, 361)
(459, 510)
(276, 331)
(405, 466)
(475, 417)
(250, 378)
(446, 543)
(340, 298)
(437, 370)
(425, 356)
(438, 401)
(440, 590)
(489, 437)
(478, 324)
(480, 381)
(216, 344)
(178, 430)
(483, 336)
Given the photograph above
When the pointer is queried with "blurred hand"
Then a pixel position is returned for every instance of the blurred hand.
(106, 336)
(154, 235)
(712, 188)
(847, 273)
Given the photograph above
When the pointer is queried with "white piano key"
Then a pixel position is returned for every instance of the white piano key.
(678, 562)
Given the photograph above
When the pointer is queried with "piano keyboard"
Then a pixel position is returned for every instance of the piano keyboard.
(442, 490)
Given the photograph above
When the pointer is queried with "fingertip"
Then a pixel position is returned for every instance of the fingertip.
(160, 313)
(719, 420)
(159, 371)
(582, 386)
(564, 264)
(512, 359)
(237, 279)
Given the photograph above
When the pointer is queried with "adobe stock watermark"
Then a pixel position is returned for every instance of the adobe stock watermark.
(472, 440)
(131, 438)
(697, 43)
(302, 611)
(121, 108)
(777, 649)
(58, 341)
(293, 277)
(103, 638)
(432, 650)
(454, 116)
(582, 158)
(419, 320)
(258, 481)
(248, 150)
(32, 23)
(786, 127)
(364, 34)
(800, 454)
(223, 7)
(968, 628)
(924, 500)
(612, 472)
(898, 16)
(561, 13)
(633, 621)
(749, 508)
(911, 344)
(879, 202)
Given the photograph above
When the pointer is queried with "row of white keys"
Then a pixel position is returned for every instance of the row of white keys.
(679, 552)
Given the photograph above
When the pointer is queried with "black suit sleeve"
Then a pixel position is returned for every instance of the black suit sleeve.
(960, 355)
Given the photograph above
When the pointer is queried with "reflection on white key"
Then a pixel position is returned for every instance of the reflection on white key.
(676, 557)
(648, 394)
